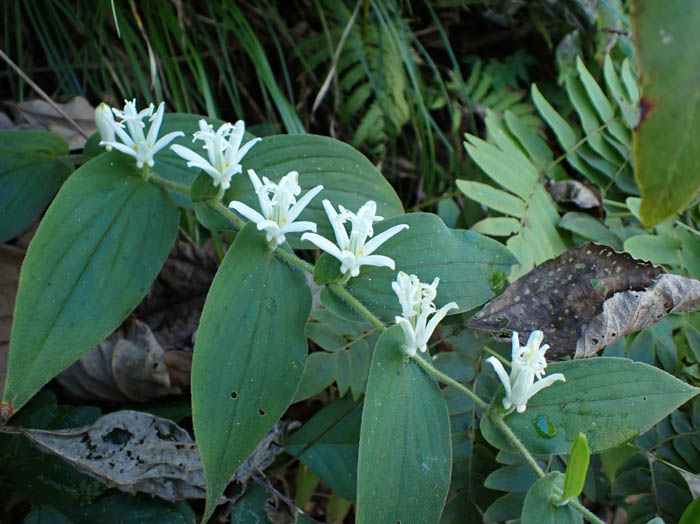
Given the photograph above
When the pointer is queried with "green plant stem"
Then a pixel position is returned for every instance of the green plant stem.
(588, 514)
(359, 306)
(293, 259)
(515, 441)
(450, 382)
(181, 188)
(432, 201)
(490, 351)
(230, 215)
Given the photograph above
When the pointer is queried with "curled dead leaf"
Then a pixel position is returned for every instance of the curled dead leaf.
(631, 311)
(139, 452)
(128, 366)
(587, 298)
(573, 192)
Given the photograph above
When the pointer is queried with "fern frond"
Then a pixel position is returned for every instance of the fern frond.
(533, 216)
(600, 148)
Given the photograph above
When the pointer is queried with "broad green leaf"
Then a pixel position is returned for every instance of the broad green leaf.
(589, 228)
(406, 433)
(251, 507)
(507, 507)
(610, 400)
(538, 507)
(328, 445)
(514, 477)
(97, 251)
(497, 226)
(492, 197)
(319, 373)
(462, 260)
(691, 515)
(666, 156)
(577, 468)
(249, 355)
(348, 178)
(657, 249)
(31, 171)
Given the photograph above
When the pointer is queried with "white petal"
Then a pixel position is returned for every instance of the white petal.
(165, 140)
(341, 236)
(236, 159)
(409, 335)
(502, 375)
(121, 147)
(544, 383)
(248, 212)
(156, 121)
(297, 208)
(323, 243)
(382, 237)
(378, 260)
(437, 317)
(298, 227)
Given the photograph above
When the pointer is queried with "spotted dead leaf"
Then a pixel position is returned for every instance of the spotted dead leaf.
(587, 298)
(138, 452)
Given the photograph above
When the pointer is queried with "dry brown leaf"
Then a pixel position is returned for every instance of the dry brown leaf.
(631, 311)
(128, 366)
(40, 115)
(575, 193)
(139, 452)
(10, 264)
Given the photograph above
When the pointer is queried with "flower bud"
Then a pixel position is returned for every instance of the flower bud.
(104, 120)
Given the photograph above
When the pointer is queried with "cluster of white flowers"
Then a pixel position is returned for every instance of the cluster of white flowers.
(280, 211)
(133, 143)
(279, 208)
(416, 299)
(527, 363)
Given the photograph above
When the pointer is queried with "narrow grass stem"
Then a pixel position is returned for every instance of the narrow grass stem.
(450, 382)
(587, 514)
(359, 306)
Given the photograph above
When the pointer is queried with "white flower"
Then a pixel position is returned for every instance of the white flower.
(354, 251)
(224, 156)
(280, 211)
(104, 120)
(417, 305)
(527, 363)
(134, 143)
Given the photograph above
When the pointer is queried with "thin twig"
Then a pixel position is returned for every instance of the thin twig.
(43, 94)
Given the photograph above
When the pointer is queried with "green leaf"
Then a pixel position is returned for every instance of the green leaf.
(319, 373)
(328, 445)
(538, 507)
(461, 259)
(691, 515)
(31, 171)
(507, 507)
(666, 158)
(577, 468)
(249, 355)
(97, 251)
(610, 400)
(658, 249)
(589, 228)
(493, 198)
(402, 400)
(515, 477)
(348, 178)
(251, 507)
(497, 226)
